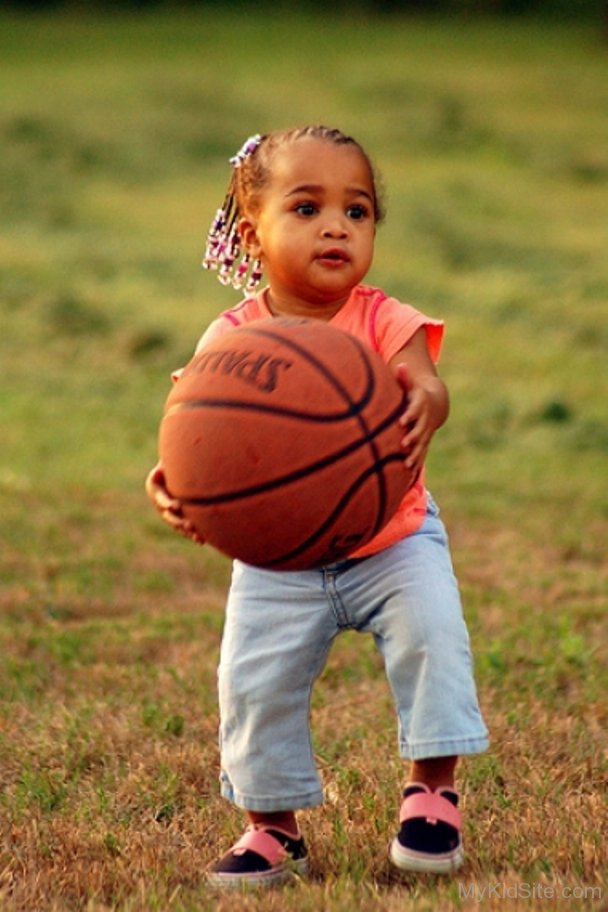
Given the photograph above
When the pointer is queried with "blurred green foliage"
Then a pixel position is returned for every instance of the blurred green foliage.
(563, 9)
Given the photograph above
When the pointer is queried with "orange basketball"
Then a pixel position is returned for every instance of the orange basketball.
(281, 440)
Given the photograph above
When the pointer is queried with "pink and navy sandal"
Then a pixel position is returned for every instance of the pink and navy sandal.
(263, 857)
(429, 836)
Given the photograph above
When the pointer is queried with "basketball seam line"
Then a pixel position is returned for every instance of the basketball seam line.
(326, 461)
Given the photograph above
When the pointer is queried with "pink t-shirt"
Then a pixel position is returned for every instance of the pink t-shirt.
(386, 325)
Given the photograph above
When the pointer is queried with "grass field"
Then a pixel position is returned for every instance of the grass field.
(493, 144)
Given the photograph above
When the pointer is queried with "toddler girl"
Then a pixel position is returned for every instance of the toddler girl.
(302, 207)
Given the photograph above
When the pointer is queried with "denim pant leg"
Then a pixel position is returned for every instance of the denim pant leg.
(277, 634)
(410, 602)
(278, 631)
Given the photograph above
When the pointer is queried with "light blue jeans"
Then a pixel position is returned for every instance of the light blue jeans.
(278, 632)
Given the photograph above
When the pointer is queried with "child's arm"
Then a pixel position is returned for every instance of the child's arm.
(428, 402)
(169, 507)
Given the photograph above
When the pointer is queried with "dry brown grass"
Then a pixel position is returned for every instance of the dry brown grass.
(109, 769)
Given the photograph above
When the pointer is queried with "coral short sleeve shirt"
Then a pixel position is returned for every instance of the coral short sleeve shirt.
(386, 325)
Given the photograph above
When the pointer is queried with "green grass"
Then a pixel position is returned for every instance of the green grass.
(492, 140)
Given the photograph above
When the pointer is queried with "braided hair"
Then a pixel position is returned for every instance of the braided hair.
(252, 168)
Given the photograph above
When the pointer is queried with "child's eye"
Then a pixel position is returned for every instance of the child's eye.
(306, 209)
(357, 212)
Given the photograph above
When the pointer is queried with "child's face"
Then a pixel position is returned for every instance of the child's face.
(315, 228)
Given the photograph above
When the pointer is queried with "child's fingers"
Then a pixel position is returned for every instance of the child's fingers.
(415, 442)
(156, 489)
(170, 508)
(164, 501)
(154, 480)
(414, 460)
(179, 523)
(414, 409)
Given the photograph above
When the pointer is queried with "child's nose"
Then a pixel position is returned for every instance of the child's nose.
(336, 228)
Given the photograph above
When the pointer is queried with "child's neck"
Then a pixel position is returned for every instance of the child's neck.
(323, 310)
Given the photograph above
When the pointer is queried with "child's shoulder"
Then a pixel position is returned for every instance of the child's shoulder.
(388, 323)
(245, 311)
(382, 305)
(374, 296)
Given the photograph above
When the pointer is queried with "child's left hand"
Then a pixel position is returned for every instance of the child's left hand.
(417, 419)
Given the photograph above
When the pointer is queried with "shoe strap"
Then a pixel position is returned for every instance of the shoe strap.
(255, 840)
(432, 806)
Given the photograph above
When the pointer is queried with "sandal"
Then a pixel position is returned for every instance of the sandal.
(429, 835)
(263, 856)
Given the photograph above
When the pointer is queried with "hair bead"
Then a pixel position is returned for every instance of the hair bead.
(223, 246)
(247, 149)
(255, 277)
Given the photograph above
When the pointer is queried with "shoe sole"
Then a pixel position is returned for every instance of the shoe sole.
(423, 862)
(271, 878)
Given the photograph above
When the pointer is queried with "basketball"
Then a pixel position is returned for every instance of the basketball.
(281, 440)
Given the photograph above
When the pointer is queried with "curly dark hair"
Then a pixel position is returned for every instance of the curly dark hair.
(249, 179)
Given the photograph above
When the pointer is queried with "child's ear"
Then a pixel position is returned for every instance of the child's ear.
(248, 235)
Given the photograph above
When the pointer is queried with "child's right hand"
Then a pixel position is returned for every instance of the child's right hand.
(169, 507)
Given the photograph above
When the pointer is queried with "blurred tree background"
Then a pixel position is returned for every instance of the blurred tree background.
(552, 9)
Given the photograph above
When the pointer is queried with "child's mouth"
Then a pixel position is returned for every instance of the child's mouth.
(334, 255)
